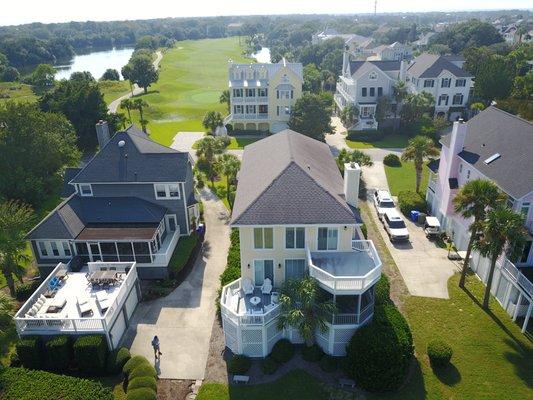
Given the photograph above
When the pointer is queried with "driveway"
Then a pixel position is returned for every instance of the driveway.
(183, 141)
(183, 319)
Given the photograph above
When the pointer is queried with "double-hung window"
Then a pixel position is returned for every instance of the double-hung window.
(429, 83)
(295, 268)
(294, 238)
(262, 92)
(460, 82)
(86, 189)
(446, 82)
(457, 99)
(524, 209)
(42, 249)
(238, 109)
(380, 91)
(372, 92)
(250, 92)
(363, 91)
(167, 191)
(328, 238)
(263, 238)
(237, 92)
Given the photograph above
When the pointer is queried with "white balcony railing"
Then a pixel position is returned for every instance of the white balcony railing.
(514, 273)
(348, 97)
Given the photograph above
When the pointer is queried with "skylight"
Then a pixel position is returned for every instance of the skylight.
(492, 158)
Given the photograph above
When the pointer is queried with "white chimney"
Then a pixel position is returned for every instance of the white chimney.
(345, 61)
(102, 133)
(403, 70)
(457, 141)
(352, 175)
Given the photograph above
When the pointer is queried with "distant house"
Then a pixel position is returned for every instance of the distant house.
(131, 202)
(391, 52)
(262, 95)
(296, 217)
(497, 146)
(423, 40)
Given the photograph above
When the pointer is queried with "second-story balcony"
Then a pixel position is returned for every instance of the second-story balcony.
(348, 97)
(346, 272)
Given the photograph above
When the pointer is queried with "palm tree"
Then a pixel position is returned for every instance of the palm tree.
(212, 120)
(207, 149)
(418, 149)
(228, 165)
(349, 115)
(6, 309)
(303, 308)
(502, 230)
(225, 99)
(473, 201)
(400, 91)
(127, 104)
(15, 219)
(347, 156)
(139, 104)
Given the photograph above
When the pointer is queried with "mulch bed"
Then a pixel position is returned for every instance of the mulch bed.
(171, 389)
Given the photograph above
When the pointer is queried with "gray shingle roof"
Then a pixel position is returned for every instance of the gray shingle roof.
(289, 178)
(68, 219)
(139, 160)
(382, 65)
(431, 65)
(495, 131)
(68, 190)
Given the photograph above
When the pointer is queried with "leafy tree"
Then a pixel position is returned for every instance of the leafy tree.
(383, 108)
(415, 106)
(473, 33)
(34, 147)
(493, 79)
(15, 220)
(333, 61)
(82, 102)
(329, 80)
(418, 149)
(303, 308)
(143, 72)
(207, 149)
(312, 78)
(10, 74)
(82, 76)
(225, 99)
(147, 42)
(229, 165)
(127, 104)
(503, 229)
(522, 87)
(474, 200)
(346, 156)
(6, 312)
(43, 75)
(126, 72)
(111, 74)
(311, 116)
(140, 104)
(477, 107)
(349, 115)
(212, 120)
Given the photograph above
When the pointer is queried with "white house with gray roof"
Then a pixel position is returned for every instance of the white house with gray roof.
(296, 216)
(131, 203)
(498, 146)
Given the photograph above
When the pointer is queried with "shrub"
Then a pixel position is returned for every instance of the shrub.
(90, 353)
(409, 200)
(282, 351)
(379, 354)
(182, 253)
(382, 291)
(141, 394)
(239, 364)
(20, 383)
(312, 353)
(143, 371)
(392, 160)
(58, 353)
(269, 366)
(133, 363)
(26, 289)
(439, 353)
(328, 363)
(29, 350)
(141, 382)
(366, 136)
(117, 359)
(364, 230)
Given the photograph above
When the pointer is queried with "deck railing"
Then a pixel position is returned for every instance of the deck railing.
(515, 274)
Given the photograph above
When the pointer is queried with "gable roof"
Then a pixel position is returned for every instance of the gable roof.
(369, 66)
(431, 65)
(496, 131)
(139, 160)
(68, 190)
(289, 178)
(387, 66)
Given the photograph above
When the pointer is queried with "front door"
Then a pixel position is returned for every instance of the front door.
(94, 252)
(263, 269)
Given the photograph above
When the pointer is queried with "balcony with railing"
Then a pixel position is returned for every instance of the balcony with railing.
(346, 272)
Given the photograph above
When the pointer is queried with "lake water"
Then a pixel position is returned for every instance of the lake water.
(96, 62)
(263, 55)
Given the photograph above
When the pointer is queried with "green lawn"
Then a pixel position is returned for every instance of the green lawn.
(112, 90)
(192, 76)
(16, 91)
(388, 142)
(239, 143)
(404, 178)
(182, 252)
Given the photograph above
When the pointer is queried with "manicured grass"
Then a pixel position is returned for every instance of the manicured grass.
(220, 190)
(296, 385)
(404, 178)
(16, 91)
(182, 252)
(192, 76)
(239, 143)
(112, 90)
(388, 142)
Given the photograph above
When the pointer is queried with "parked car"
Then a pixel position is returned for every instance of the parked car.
(383, 202)
(395, 226)
(432, 227)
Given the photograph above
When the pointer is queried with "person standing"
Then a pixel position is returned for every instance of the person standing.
(155, 346)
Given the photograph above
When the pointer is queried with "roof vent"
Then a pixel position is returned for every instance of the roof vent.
(122, 143)
(492, 158)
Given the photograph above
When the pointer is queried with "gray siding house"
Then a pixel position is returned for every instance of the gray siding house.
(131, 202)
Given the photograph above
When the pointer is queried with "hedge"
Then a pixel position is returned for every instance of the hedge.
(26, 289)
(382, 290)
(90, 353)
(117, 359)
(58, 350)
(439, 353)
(143, 370)
(409, 200)
(312, 353)
(269, 366)
(20, 383)
(379, 354)
(182, 253)
(239, 364)
(133, 363)
(30, 352)
(233, 264)
(141, 394)
(282, 351)
(328, 363)
(392, 160)
(141, 382)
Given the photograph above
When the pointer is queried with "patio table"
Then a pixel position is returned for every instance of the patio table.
(255, 300)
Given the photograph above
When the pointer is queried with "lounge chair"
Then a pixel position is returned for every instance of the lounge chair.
(84, 307)
(247, 286)
(103, 300)
(267, 286)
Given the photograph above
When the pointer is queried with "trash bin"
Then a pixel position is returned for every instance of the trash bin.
(414, 215)
(421, 218)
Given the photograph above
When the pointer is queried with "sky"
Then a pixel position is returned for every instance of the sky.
(25, 11)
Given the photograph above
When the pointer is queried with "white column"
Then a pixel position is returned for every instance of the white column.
(526, 319)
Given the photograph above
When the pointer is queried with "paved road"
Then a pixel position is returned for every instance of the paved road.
(183, 320)
(113, 106)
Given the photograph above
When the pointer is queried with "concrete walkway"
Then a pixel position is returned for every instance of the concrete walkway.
(183, 320)
(183, 141)
(113, 106)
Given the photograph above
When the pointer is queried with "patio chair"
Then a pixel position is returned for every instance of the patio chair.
(267, 286)
(247, 286)
(274, 297)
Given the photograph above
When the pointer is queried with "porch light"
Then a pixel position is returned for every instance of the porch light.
(248, 266)
(279, 265)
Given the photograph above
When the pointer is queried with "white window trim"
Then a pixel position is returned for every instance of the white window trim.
(81, 190)
(306, 266)
(48, 246)
(273, 269)
(263, 235)
(167, 191)
(328, 228)
(285, 238)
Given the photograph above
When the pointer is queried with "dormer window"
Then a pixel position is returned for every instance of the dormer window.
(86, 190)
(167, 191)
(373, 75)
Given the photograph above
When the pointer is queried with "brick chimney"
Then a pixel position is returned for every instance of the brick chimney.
(352, 175)
(102, 133)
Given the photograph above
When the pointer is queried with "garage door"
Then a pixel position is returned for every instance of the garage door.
(131, 303)
(118, 330)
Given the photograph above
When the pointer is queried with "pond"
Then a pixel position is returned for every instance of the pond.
(263, 55)
(95, 62)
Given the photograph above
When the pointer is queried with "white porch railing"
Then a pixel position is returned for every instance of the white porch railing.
(515, 274)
